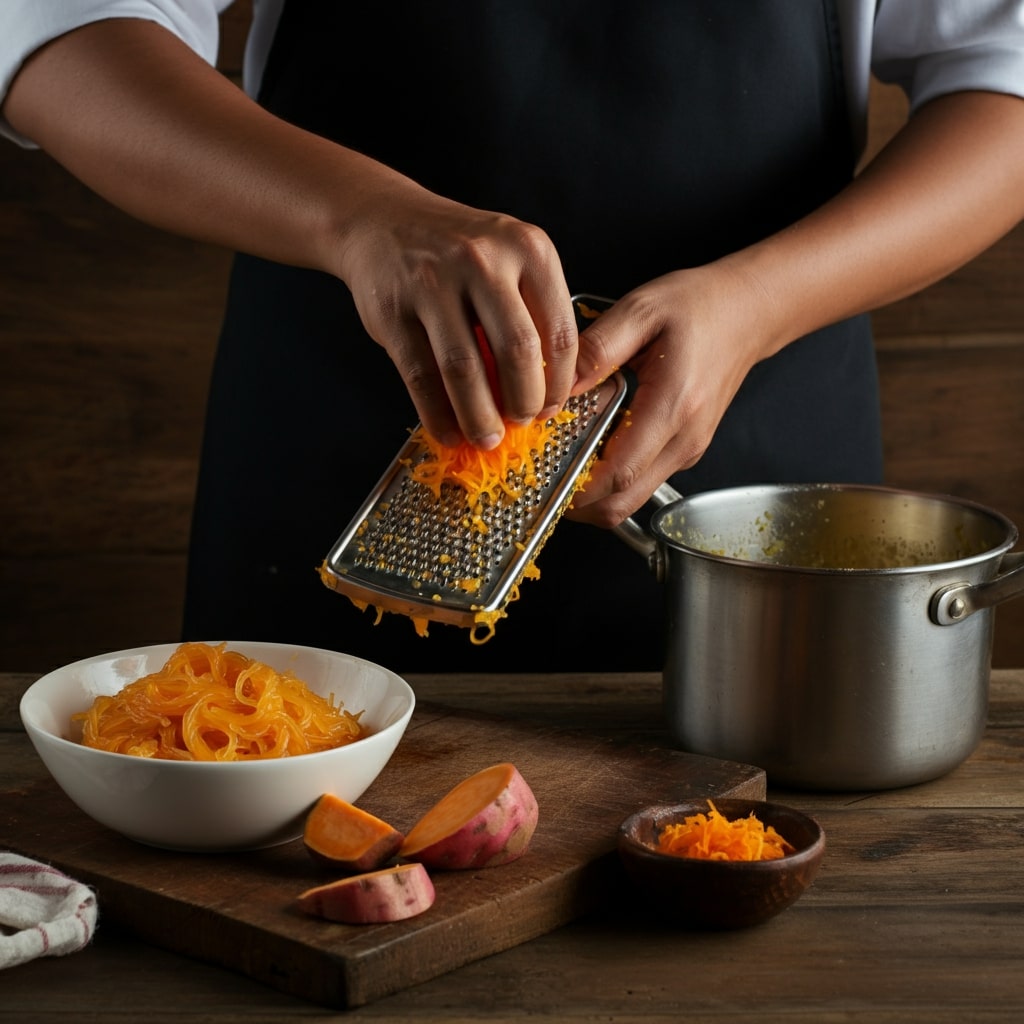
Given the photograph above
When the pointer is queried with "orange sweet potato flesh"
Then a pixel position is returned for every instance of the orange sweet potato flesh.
(345, 838)
(373, 897)
(486, 820)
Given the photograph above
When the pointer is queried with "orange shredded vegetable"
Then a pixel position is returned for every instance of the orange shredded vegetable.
(211, 704)
(502, 471)
(712, 836)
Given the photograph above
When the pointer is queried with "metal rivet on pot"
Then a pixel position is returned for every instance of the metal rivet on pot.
(952, 604)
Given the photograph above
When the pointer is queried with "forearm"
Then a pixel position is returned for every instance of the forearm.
(139, 118)
(136, 115)
(946, 188)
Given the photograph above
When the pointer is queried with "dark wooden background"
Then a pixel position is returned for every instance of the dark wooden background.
(107, 331)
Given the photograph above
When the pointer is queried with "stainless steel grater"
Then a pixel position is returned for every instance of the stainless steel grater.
(409, 551)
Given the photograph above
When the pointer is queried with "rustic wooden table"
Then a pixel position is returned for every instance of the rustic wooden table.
(917, 914)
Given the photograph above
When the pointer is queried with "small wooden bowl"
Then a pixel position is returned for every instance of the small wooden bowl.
(718, 894)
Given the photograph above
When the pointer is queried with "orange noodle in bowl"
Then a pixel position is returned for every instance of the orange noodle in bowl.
(211, 704)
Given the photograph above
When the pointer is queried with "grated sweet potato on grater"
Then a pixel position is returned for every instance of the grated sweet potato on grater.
(712, 836)
(501, 472)
(457, 529)
(496, 476)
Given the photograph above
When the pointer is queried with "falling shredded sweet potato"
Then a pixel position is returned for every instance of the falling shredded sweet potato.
(712, 836)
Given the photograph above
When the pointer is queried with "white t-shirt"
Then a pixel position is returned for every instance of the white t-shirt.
(927, 47)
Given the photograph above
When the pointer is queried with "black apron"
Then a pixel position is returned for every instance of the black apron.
(643, 138)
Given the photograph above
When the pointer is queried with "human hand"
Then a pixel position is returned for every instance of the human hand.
(690, 338)
(424, 272)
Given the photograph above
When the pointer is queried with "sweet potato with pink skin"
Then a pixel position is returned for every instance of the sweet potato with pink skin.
(373, 897)
(486, 820)
(346, 838)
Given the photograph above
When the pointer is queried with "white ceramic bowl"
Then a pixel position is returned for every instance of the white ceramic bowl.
(203, 806)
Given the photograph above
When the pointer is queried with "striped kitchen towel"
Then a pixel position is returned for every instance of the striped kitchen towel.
(42, 911)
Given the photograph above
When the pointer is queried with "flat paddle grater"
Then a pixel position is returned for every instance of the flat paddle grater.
(433, 557)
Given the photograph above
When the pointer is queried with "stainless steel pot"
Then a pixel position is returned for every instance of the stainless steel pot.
(837, 636)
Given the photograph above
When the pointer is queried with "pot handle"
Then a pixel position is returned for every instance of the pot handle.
(630, 531)
(953, 603)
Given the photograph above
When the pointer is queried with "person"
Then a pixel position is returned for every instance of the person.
(393, 175)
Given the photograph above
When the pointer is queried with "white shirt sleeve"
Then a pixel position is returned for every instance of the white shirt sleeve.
(26, 25)
(933, 47)
(928, 48)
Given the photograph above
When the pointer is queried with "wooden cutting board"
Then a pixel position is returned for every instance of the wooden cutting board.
(237, 910)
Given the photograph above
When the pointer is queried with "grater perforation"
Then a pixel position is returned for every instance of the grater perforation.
(433, 556)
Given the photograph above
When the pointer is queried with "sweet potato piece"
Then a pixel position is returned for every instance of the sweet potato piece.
(346, 838)
(486, 820)
(373, 897)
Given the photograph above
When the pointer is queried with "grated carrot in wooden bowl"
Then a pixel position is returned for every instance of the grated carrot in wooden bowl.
(720, 864)
(713, 836)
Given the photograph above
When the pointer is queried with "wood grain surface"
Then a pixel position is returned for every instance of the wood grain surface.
(915, 918)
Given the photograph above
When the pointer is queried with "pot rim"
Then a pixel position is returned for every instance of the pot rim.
(748, 491)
